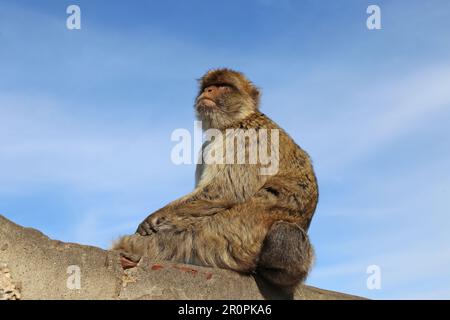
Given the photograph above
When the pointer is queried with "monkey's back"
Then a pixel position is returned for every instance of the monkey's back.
(294, 187)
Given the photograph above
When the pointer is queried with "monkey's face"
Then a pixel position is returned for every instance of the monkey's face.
(215, 98)
(224, 99)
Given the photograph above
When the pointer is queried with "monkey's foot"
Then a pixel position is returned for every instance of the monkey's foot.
(154, 223)
(129, 261)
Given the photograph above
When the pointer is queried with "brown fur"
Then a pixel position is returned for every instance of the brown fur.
(237, 218)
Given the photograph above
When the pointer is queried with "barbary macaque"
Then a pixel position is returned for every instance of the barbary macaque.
(238, 217)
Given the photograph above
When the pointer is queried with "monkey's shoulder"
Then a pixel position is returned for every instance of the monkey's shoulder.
(257, 121)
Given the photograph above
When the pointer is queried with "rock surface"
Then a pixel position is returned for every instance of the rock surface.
(32, 266)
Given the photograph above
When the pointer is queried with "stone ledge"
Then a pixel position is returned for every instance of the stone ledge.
(32, 266)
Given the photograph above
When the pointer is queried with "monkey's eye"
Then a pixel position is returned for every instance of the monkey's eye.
(225, 85)
(220, 85)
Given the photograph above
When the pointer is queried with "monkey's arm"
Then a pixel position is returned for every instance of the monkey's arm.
(230, 186)
(178, 213)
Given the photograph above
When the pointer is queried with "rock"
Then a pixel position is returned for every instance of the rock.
(8, 289)
(32, 266)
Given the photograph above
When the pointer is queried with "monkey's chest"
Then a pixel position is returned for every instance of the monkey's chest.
(206, 173)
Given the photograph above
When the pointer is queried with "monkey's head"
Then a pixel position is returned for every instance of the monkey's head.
(225, 97)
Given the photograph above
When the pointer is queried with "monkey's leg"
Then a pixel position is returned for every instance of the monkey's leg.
(286, 255)
(231, 239)
(164, 245)
(238, 239)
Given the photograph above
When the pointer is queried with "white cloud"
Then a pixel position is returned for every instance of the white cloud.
(380, 115)
(399, 269)
(41, 143)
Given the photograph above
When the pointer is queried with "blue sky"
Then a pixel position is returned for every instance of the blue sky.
(86, 117)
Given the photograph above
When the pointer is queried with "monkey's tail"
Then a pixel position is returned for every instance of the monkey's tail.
(287, 255)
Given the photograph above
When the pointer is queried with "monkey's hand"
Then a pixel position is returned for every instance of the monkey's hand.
(181, 215)
(156, 222)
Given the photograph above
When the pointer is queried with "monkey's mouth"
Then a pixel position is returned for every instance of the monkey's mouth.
(206, 104)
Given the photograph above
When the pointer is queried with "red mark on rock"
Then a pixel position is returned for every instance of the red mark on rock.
(157, 267)
(186, 269)
(208, 275)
